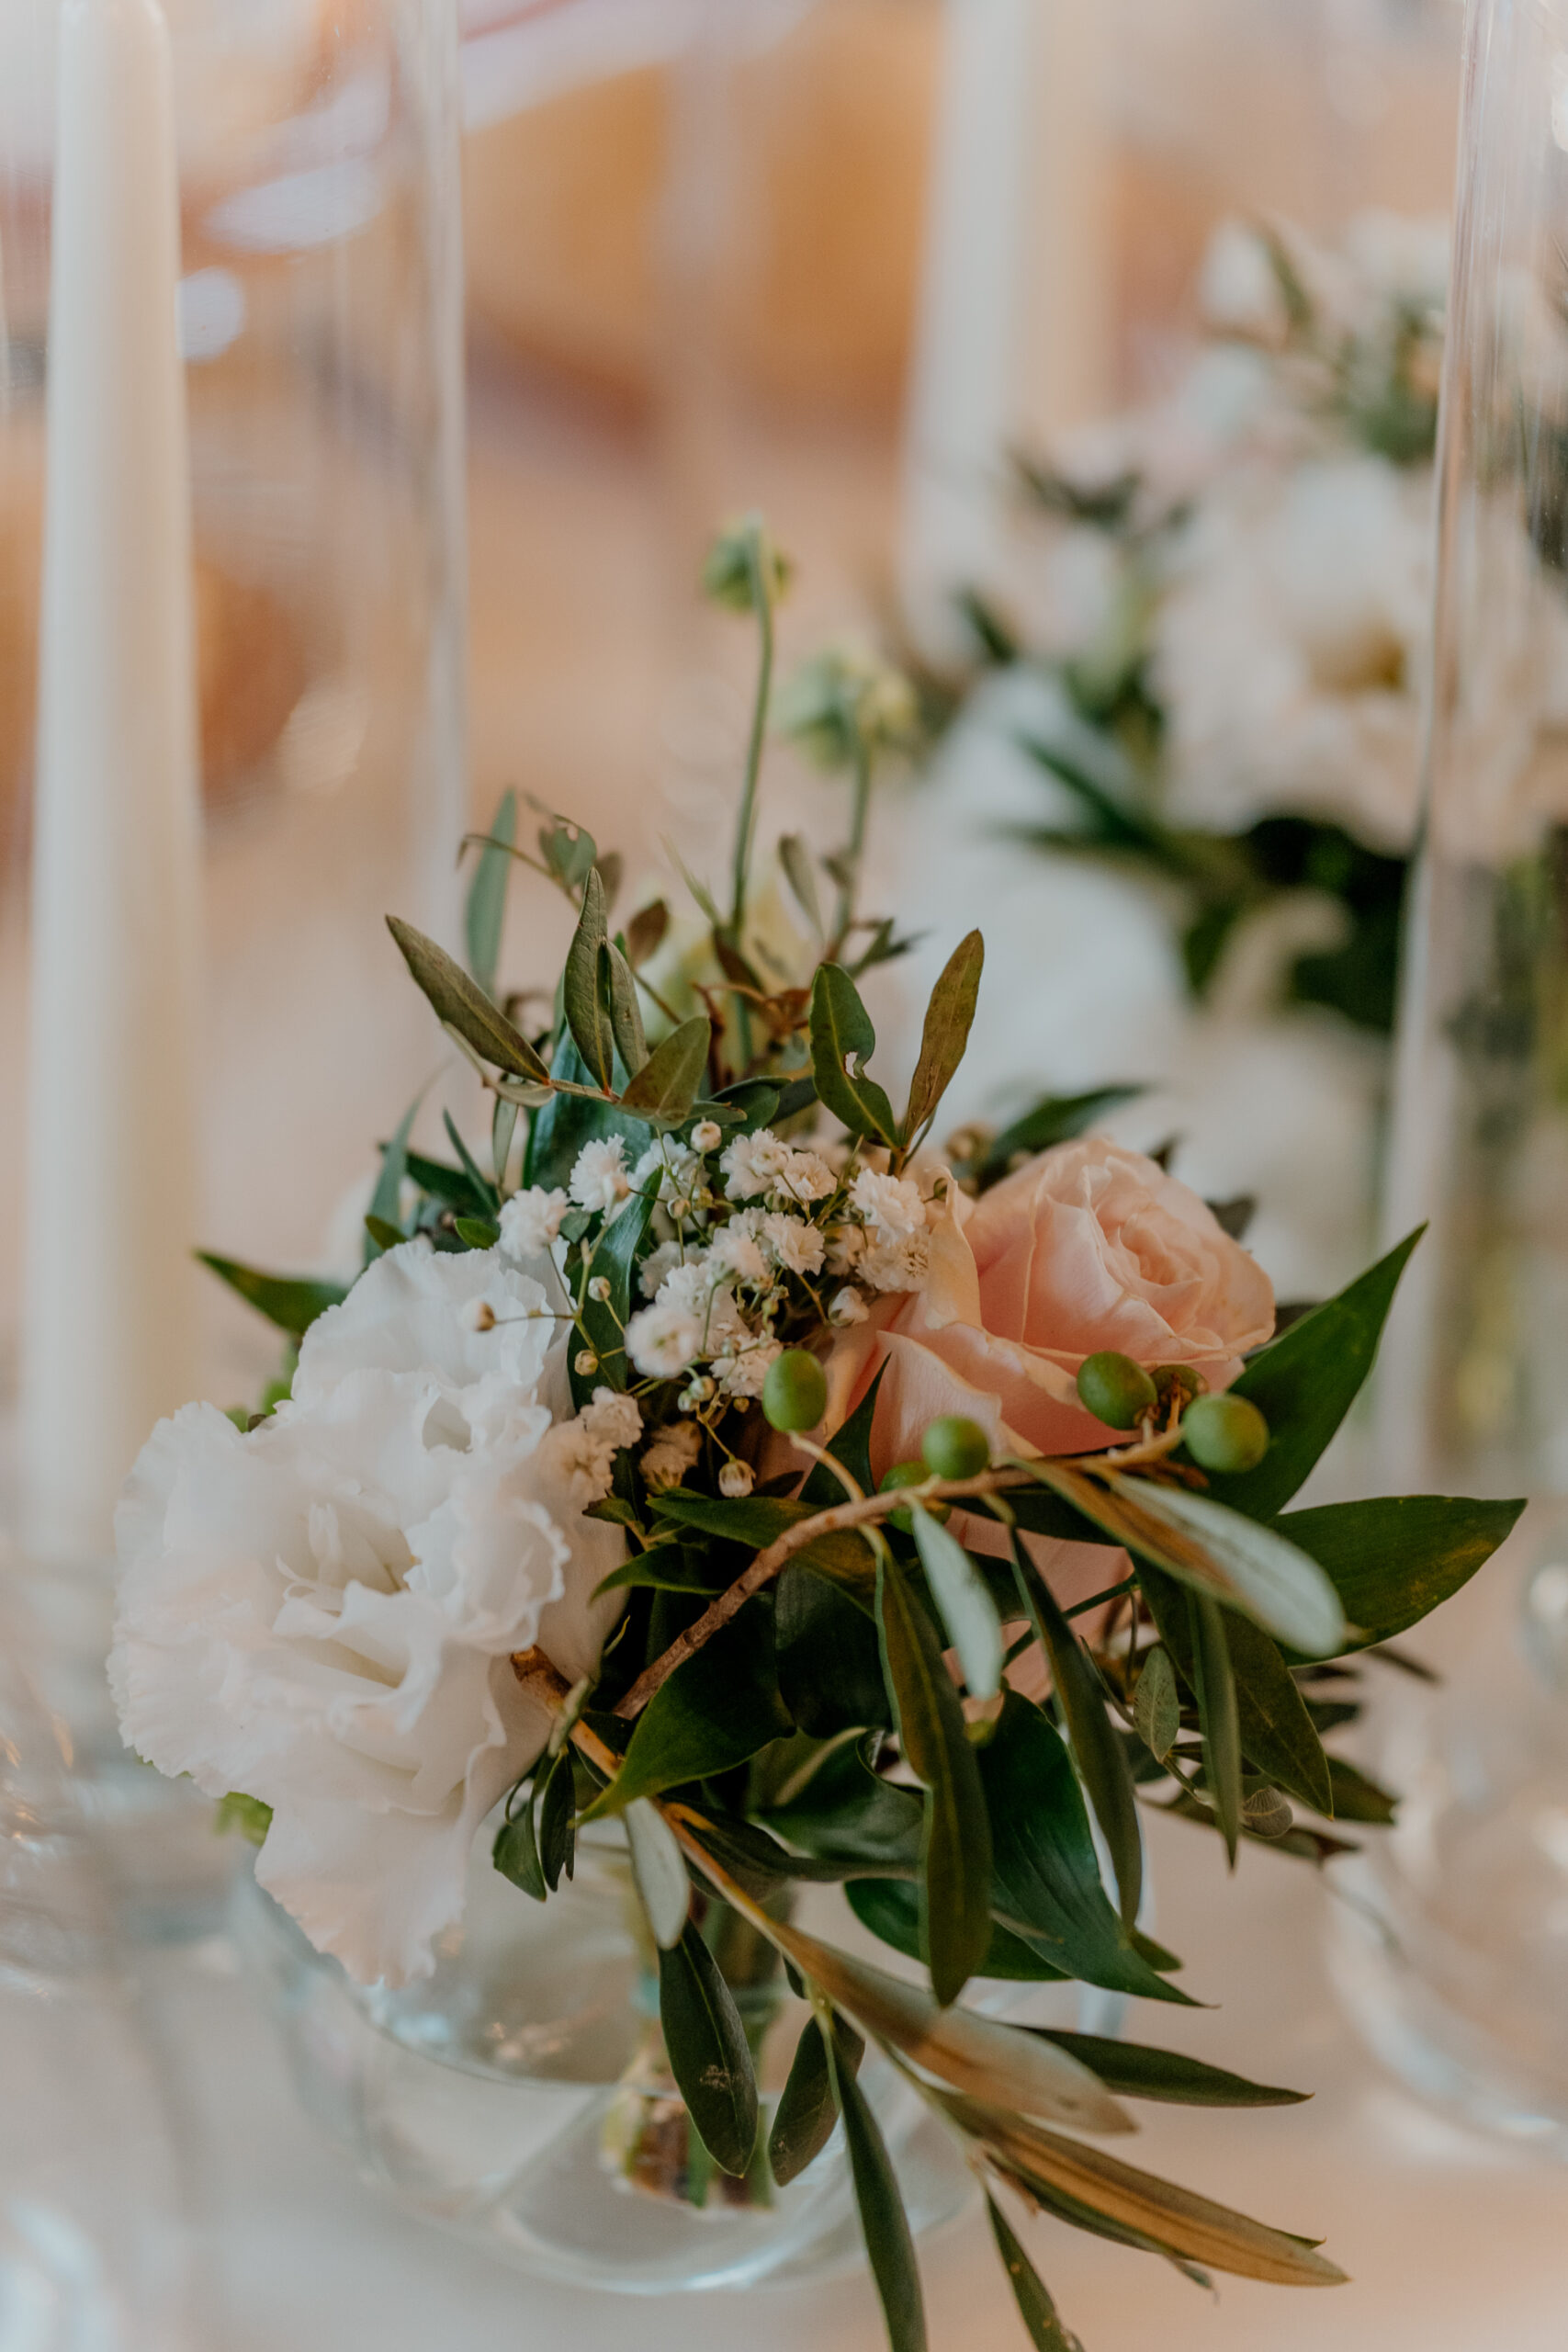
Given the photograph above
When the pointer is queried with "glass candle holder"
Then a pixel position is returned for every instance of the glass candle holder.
(320, 310)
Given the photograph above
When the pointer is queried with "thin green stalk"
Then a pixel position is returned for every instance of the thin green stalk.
(855, 845)
(762, 604)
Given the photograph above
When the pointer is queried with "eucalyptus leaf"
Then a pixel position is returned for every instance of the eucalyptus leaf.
(291, 1301)
(889, 2247)
(477, 1231)
(804, 2119)
(956, 1872)
(502, 1127)
(645, 930)
(795, 859)
(964, 1604)
(660, 1872)
(515, 1853)
(842, 1041)
(664, 1089)
(1096, 1751)
(1218, 1713)
(1035, 2308)
(463, 1005)
(585, 985)
(382, 1237)
(706, 2042)
(556, 1798)
(950, 1016)
(625, 1015)
(485, 914)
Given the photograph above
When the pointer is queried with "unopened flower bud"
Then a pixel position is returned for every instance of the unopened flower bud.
(679, 1209)
(847, 1305)
(706, 1135)
(585, 1362)
(479, 1315)
(742, 559)
(736, 1478)
(599, 1288)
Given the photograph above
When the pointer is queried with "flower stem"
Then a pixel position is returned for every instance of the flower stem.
(763, 604)
(854, 849)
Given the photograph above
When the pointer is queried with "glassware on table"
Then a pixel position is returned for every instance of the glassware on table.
(1454, 1956)
(520, 2095)
(94, 2254)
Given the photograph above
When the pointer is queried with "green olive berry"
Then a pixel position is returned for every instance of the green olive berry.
(955, 1447)
(794, 1394)
(1177, 1380)
(911, 1474)
(1115, 1390)
(1225, 1433)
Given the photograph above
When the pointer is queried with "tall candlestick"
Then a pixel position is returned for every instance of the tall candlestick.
(1013, 345)
(109, 1336)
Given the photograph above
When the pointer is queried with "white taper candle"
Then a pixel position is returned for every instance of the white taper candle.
(109, 1336)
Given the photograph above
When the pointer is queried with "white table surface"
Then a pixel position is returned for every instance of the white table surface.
(1454, 2243)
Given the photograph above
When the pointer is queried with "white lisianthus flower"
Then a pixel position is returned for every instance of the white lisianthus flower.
(322, 1614)
(530, 1221)
(599, 1178)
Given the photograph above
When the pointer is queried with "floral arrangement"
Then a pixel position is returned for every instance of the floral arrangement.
(1231, 593)
(722, 1462)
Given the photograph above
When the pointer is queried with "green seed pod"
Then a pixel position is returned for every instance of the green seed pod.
(794, 1394)
(911, 1474)
(1115, 1390)
(1177, 1380)
(1225, 1433)
(955, 1447)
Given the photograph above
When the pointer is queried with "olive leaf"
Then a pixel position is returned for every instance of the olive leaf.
(1157, 1705)
(625, 1014)
(659, 1873)
(708, 2055)
(803, 2122)
(841, 1033)
(950, 1016)
(665, 1087)
(485, 912)
(585, 985)
(1035, 2308)
(964, 1603)
(890, 2247)
(462, 1005)
(1217, 1714)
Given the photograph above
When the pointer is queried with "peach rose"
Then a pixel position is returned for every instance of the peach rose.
(1087, 1247)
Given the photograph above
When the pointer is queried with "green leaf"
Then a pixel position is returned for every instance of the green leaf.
(568, 849)
(1252, 1567)
(1394, 1559)
(464, 1006)
(1035, 2308)
(557, 1797)
(716, 1711)
(603, 1321)
(890, 1909)
(515, 1853)
(1215, 1687)
(560, 1127)
(1356, 1797)
(486, 912)
(964, 1604)
(502, 1127)
(625, 1014)
(1047, 1875)
(795, 859)
(847, 1811)
(666, 1086)
(849, 1445)
(663, 1567)
(243, 1816)
(659, 1873)
(1277, 1731)
(1175, 2218)
(803, 2122)
(585, 985)
(948, 1019)
(1133, 2070)
(1056, 1120)
(291, 1301)
(975, 2053)
(453, 1188)
(386, 1201)
(889, 2247)
(757, 1521)
(841, 1034)
(829, 1661)
(1096, 1751)
(484, 1191)
(706, 2042)
(760, 1865)
(383, 1237)
(955, 1862)
(477, 1231)
(1304, 1383)
(1157, 1704)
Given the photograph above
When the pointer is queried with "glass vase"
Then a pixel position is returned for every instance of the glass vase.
(1455, 1957)
(521, 2095)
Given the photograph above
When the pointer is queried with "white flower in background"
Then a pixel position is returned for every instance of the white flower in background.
(1289, 649)
(736, 1478)
(657, 1265)
(530, 1221)
(599, 1178)
(1238, 286)
(322, 1614)
(670, 1455)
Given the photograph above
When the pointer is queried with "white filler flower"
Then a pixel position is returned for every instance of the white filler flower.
(322, 1614)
